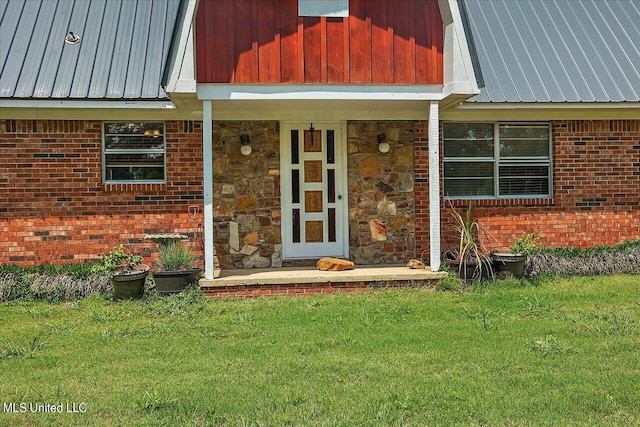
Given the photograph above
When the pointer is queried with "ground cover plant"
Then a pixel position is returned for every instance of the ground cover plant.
(622, 258)
(560, 352)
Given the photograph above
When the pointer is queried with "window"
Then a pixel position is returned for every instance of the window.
(497, 160)
(331, 8)
(133, 152)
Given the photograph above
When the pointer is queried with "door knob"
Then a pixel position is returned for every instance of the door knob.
(340, 197)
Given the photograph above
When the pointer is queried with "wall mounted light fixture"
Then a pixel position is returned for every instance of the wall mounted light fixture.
(245, 144)
(383, 145)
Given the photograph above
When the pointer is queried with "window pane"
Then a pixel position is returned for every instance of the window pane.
(468, 169)
(468, 139)
(468, 187)
(468, 179)
(296, 225)
(524, 186)
(331, 185)
(133, 142)
(295, 155)
(524, 140)
(523, 159)
(295, 186)
(134, 151)
(524, 180)
(331, 147)
(332, 224)
(134, 128)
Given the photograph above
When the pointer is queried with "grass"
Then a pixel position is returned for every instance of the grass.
(563, 352)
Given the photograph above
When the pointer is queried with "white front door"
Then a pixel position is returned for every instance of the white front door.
(313, 190)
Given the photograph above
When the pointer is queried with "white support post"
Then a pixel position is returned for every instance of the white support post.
(207, 162)
(434, 185)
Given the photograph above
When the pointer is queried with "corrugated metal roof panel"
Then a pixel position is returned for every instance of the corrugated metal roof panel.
(121, 53)
(557, 50)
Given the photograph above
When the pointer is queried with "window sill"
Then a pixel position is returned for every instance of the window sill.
(122, 187)
(546, 201)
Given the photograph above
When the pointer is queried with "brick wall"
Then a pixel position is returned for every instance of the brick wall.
(55, 208)
(596, 180)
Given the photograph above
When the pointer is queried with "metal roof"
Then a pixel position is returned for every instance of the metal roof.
(557, 50)
(121, 53)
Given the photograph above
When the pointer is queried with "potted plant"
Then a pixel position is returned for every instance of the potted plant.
(513, 263)
(127, 273)
(470, 258)
(175, 267)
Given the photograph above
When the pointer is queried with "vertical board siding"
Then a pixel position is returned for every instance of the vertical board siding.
(265, 41)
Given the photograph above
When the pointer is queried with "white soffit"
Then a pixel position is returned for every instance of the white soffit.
(238, 92)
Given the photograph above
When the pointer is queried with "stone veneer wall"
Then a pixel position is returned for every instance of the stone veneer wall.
(381, 188)
(247, 195)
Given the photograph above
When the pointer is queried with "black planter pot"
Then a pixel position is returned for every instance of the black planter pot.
(171, 282)
(469, 271)
(129, 285)
(506, 263)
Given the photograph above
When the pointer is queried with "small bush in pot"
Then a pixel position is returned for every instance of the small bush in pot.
(127, 274)
(513, 263)
(175, 268)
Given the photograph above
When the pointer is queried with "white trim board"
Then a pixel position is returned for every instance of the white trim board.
(85, 104)
(307, 92)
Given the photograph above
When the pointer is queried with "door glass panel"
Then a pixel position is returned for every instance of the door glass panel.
(331, 148)
(296, 225)
(331, 185)
(295, 154)
(295, 186)
(332, 224)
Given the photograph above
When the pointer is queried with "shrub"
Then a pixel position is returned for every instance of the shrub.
(526, 244)
(450, 283)
(50, 282)
(175, 256)
(622, 258)
(116, 257)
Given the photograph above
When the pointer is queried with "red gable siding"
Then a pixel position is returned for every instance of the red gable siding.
(265, 41)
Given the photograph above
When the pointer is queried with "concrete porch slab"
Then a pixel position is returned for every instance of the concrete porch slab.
(310, 275)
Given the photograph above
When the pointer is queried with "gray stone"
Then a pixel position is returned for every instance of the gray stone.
(363, 255)
(386, 208)
(234, 237)
(256, 261)
(248, 223)
(276, 257)
(405, 184)
(248, 249)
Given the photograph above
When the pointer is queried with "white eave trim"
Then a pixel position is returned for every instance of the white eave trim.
(548, 105)
(247, 92)
(86, 104)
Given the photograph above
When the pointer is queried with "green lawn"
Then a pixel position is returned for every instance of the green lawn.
(565, 352)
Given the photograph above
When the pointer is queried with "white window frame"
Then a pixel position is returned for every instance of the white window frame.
(497, 162)
(162, 151)
(328, 8)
